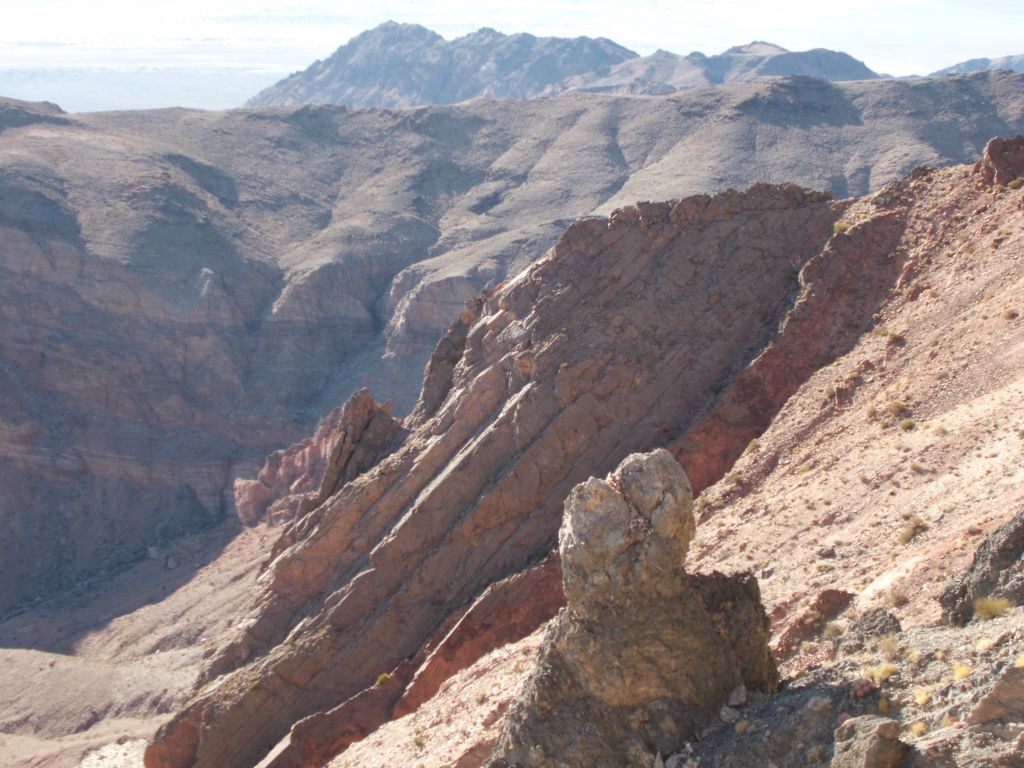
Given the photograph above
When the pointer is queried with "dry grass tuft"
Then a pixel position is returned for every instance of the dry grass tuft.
(914, 527)
(987, 608)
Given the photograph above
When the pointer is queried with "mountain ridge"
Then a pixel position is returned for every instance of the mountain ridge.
(405, 65)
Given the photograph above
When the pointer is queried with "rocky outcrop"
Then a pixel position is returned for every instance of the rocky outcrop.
(505, 613)
(869, 741)
(1005, 701)
(1002, 162)
(996, 571)
(615, 341)
(347, 442)
(644, 654)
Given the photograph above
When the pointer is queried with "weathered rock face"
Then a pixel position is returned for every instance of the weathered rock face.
(347, 442)
(618, 340)
(869, 741)
(996, 571)
(644, 654)
(1003, 161)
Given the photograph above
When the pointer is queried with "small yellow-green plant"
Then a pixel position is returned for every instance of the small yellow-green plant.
(840, 227)
(881, 673)
(987, 608)
(896, 408)
(382, 679)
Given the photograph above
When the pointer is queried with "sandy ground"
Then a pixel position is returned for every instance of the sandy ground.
(104, 666)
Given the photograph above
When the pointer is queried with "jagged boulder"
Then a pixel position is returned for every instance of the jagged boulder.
(347, 441)
(1002, 161)
(869, 741)
(996, 571)
(644, 654)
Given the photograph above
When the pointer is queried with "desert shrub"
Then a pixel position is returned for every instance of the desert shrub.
(889, 647)
(898, 598)
(896, 408)
(913, 527)
(907, 424)
(383, 678)
(881, 673)
(987, 608)
(1016, 184)
(840, 227)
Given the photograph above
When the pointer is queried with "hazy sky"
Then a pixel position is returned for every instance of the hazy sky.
(895, 36)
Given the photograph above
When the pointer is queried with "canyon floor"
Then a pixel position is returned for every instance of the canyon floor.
(108, 663)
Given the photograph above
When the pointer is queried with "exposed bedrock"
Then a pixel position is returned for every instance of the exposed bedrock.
(626, 336)
(1002, 161)
(347, 441)
(644, 654)
(997, 571)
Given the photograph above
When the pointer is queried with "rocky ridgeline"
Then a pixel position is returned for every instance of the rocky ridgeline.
(346, 443)
(644, 654)
(633, 332)
(404, 65)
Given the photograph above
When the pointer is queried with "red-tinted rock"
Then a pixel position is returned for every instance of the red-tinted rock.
(1002, 162)
(622, 338)
(347, 441)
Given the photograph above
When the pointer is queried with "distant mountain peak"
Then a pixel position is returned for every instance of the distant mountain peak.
(756, 48)
(404, 65)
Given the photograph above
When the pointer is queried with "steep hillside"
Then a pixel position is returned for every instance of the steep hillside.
(406, 65)
(818, 367)
(185, 292)
(619, 339)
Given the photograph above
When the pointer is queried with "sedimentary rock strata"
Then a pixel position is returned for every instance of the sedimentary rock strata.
(631, 331)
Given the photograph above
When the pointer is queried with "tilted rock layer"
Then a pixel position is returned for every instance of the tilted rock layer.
(644, 654)
(630, 333)
(183, 293)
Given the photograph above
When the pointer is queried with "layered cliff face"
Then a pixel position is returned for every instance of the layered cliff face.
(175, 308)
(635, 331)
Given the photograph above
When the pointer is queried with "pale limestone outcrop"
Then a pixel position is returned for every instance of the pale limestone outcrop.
(644, 654)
